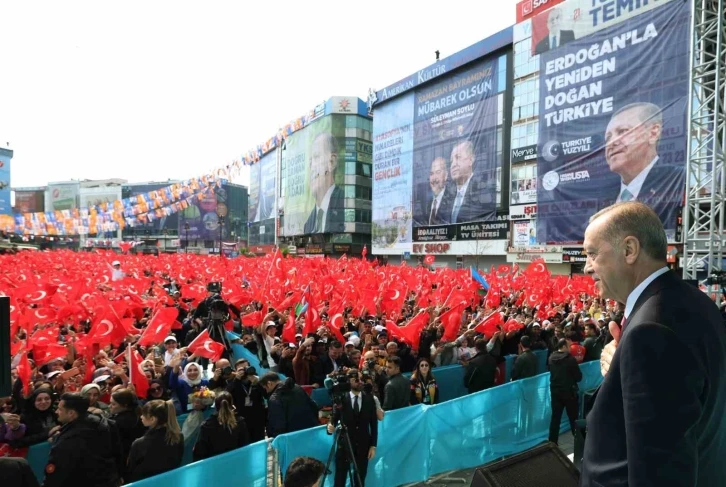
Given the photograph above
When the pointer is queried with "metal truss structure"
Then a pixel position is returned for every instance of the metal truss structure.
(704, 211)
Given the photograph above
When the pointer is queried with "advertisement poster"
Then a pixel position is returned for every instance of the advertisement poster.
(314, 171)
(454, 151)
(525, 234)
(29, 201)
(5, 204)
(63, 197)
(262, 188)
(613, 111)
(201, 215)
(392, 176)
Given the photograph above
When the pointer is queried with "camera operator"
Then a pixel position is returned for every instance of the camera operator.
(374, 374)
(287, 354)
(248, 398)
(222, 375)
(289, 406)
(331, 363)
(357, 412)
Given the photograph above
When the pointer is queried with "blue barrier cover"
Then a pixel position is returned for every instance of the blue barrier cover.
(246, 466)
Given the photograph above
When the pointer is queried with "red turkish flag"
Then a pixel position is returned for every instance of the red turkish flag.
(25, 373)
(290, 330)
(452, 322)
(44, 353)
(429, 259)
(489, 326)
(205, 347)
(137, 377)
(159, 326)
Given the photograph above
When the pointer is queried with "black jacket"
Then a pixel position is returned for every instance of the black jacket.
(129, 428)
(659, 417)
(215, 439)
(397, 393)
(151, 455)
(86, 452)
(525, 365)
(16, 472)
(363, 426)
(593, 345)
(290, 409)
(565, 373)
(480, 372)
(324, 366)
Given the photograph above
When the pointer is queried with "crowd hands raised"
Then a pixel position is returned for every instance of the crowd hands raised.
(102, 372)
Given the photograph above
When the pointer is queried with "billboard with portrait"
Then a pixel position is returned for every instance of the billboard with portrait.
(262, 188)
(455, 157)
(613, 111)
(201, 215)
(32, 201)
(392, 176)
(5, 203)
(169, 222)
(314, 170)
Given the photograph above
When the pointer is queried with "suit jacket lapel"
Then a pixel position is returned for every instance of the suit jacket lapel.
(661, 282)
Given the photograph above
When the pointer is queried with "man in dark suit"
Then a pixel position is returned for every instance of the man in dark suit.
(659, 417)
(471, 199)
(358, 413)
(436, 208)
(631, 151)
(328, 214)
(555, 36)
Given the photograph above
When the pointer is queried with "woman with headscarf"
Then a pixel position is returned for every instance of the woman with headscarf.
(38, 417)
(186, 383)
(424, 389)
(223, 431)
(92, 392)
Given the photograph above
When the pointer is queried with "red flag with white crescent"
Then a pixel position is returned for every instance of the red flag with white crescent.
(204, 346)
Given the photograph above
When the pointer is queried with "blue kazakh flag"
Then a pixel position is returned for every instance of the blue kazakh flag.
(478, 278)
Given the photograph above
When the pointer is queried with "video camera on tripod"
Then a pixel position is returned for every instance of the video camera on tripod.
(716, 278)
(338, 385)
(218, 315)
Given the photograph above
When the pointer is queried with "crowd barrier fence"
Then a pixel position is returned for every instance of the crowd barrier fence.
(415, 443)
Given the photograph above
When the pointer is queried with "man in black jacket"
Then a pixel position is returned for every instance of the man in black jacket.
(358, 413)
(289, 407)
(525, 365)
(397, 392)
(481, 370)
(332, 362)
(565, 373)
(86, 451)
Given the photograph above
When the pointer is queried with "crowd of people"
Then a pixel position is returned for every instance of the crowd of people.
(107, 357)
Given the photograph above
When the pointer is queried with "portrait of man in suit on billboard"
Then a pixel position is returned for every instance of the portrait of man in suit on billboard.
(631, 152)
(555, 37)
(266, 195)
(471, 198)
(436, 209)
(328, 214)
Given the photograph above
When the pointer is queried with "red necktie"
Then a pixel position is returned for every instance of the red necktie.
(623, 323)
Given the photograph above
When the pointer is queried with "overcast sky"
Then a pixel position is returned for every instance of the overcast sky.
(158, 90)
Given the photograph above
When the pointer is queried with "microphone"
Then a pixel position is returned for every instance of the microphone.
(329, 383)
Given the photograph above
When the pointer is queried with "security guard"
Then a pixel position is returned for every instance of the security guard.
(86, 449)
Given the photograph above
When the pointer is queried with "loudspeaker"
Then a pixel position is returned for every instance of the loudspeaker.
(5, 358)
(541, 466)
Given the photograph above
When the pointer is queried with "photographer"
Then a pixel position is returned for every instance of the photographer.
(374, 374)
(331, 363)
(289, 407)
(248, 398)
(222, 375)
(357, 412)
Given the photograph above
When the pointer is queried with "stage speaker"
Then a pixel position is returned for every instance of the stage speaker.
(541, 466)
(5, 384)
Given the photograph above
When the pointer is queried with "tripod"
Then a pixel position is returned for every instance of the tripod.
(342, 432)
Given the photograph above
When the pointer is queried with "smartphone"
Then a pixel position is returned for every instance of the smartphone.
(70, 373)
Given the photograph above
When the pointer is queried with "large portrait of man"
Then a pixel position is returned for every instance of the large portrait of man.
(328, 213)
(631, 152)
(556, 36)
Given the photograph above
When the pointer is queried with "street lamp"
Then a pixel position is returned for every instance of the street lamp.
(221, 213)
(186, 230)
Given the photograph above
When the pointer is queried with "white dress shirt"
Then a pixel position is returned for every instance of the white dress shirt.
(436, 199)
(352, 399)
(460, 191)
(635, 293)
(637, 183)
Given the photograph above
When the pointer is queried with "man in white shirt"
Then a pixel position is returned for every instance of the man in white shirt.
(116, 273)
(327, 215)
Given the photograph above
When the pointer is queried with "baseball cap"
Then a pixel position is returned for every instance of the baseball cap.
(50, 375)
(170, 338)
(536, 324)
(115, 262)
(349, 343)
(291, 345)
(270, 323)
